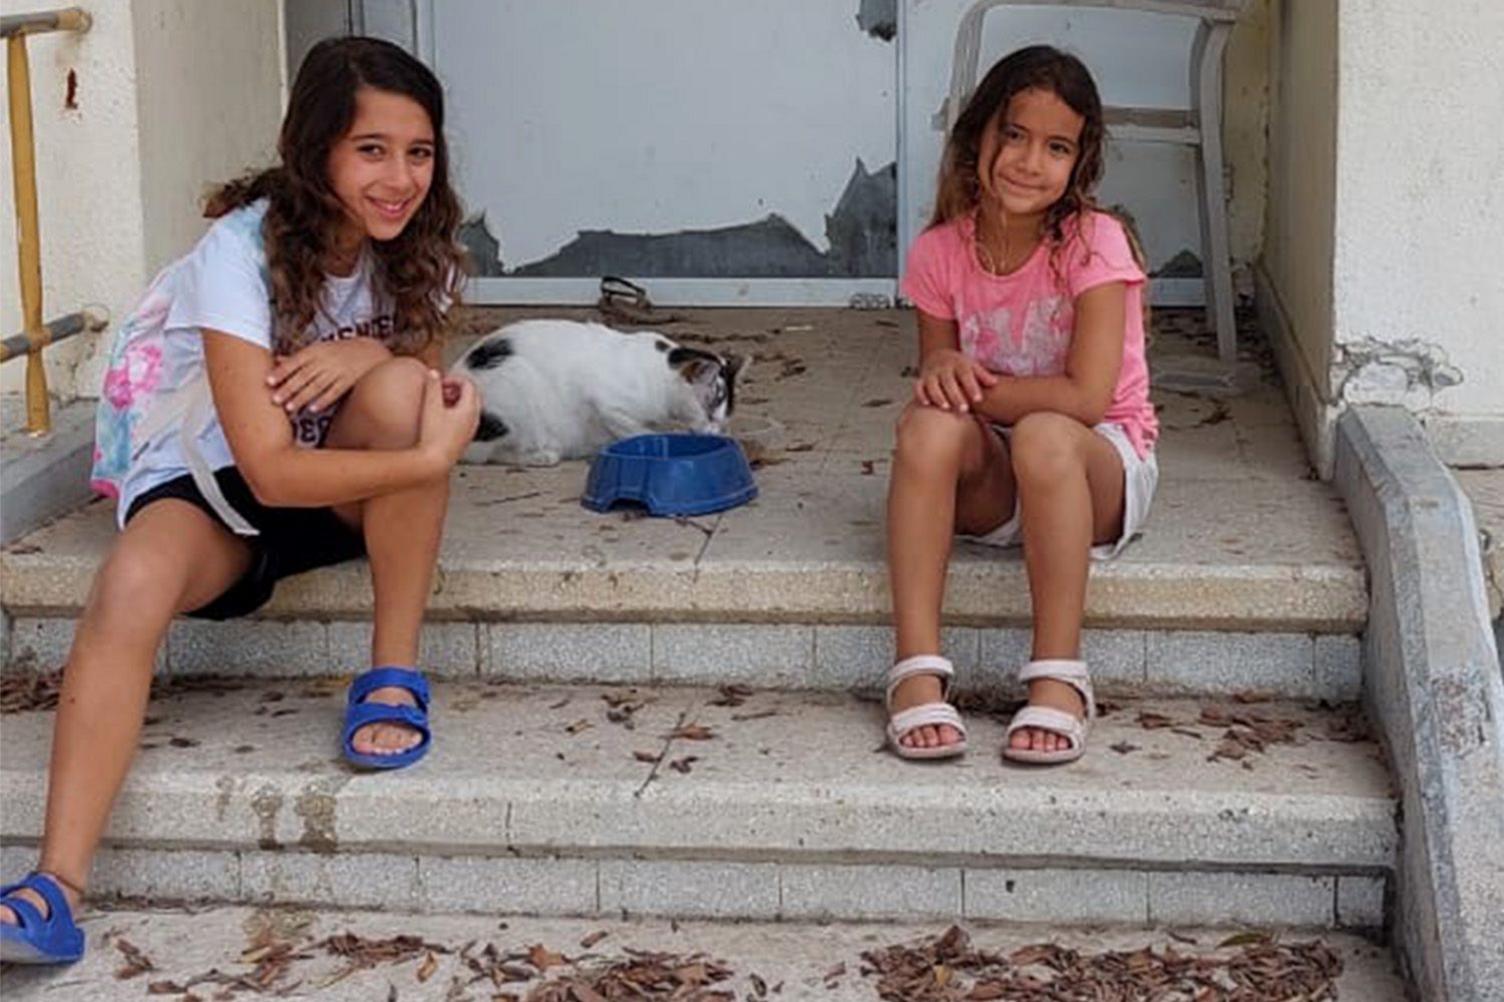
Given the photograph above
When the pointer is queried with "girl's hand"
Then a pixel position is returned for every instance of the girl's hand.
(951, 380)
(317, 376)
(451, 412)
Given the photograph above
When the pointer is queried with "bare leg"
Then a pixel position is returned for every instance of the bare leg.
(402, 531)
(171, 558)
(1070, 488)
(950, 472)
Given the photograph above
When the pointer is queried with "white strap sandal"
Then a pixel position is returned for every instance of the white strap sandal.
(1068, 726)
(925, 714)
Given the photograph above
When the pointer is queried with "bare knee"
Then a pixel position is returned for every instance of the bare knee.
(931, 439)
(135, 591)
(1046, 449)
(383, 409)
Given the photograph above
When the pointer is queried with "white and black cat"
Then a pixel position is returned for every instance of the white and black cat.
(561, 389)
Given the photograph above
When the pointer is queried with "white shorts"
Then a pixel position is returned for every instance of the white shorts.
(1140, 477)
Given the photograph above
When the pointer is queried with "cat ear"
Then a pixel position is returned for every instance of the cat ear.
(699, 370)
(695, 366)
(736, 367)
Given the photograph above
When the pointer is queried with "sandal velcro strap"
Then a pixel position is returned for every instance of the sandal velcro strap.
(1072, 673)
(924, 715)
(53, 938)
(921, 664)
(387, 677)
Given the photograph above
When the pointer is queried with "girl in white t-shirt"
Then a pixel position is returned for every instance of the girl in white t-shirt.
(274, 405)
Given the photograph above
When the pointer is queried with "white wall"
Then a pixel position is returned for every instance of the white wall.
(1295, 290)
(1419, 284)
(212, 72)
(88, 183)
(171, 95)
(657, 117)
(1381, 275)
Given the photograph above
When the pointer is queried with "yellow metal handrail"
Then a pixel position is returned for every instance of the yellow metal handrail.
(14, 28)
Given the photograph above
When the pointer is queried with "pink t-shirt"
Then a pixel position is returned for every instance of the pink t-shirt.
(1021, 324)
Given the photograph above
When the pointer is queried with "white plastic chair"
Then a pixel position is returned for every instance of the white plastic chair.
(1199, 126)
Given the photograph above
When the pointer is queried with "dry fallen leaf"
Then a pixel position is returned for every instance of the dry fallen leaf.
(426, 969)
(693, 732)
(543, 958)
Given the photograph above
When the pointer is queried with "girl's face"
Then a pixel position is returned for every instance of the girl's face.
(1028, 153)
(382, 168)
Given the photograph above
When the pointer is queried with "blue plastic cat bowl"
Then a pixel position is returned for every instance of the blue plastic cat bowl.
(670, 475)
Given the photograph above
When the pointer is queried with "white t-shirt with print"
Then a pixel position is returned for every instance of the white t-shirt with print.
(223, 285)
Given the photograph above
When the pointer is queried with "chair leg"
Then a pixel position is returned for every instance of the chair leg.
(1206, 99)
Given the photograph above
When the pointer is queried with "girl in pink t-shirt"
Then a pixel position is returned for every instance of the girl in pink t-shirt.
(1031, 421)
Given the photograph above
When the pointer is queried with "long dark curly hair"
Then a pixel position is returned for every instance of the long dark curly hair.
(958, 192)
(421, 268)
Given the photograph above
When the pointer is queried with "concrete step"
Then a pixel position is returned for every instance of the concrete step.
(786, 808)
(792, 655)
(1247, 575)
(454, 960)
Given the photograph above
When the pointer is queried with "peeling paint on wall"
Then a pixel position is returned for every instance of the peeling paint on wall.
(1406, 373)
(879, 18)
(483, 249)
(862, 231)
(1186, 264)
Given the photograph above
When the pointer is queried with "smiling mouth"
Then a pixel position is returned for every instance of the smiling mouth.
(391, 210)
(1027, 189)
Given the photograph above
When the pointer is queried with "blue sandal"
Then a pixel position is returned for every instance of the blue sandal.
(359, 713)
(34, 939)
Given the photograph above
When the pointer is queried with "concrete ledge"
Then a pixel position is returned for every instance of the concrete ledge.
(700, 889)
(47, 476)
(1433, 685)
(791, 656)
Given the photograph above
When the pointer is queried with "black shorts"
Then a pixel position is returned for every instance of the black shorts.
(292, 540)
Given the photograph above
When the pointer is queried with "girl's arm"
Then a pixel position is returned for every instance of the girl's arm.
(936, 333)
(281, 474)
(1091, 367)
(948, 378)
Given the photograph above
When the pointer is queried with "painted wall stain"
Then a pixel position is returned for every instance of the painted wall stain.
(878, 18)
(316, 806)
(1185, 264)
(226, 787)
(862, 230)
(267, 803)
(1407, 373)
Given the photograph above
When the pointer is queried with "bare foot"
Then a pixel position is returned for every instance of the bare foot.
(8, 917)
(1056, 696)
(386, 739)
(914, 691)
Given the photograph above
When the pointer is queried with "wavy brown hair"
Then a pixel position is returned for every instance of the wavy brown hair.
(958, 192)
(421, 268)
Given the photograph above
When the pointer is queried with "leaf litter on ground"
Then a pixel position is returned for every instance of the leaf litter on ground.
(1252, 967)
